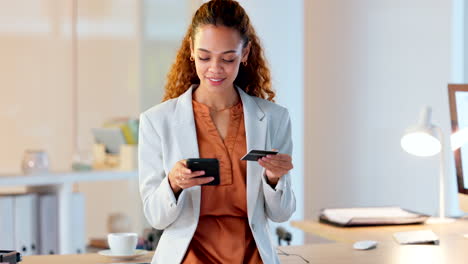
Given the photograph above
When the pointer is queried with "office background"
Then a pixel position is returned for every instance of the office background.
(354, 75)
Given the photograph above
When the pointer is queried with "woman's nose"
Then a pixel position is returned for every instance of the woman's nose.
(215, 67)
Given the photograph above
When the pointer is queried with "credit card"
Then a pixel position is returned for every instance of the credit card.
(254, 154)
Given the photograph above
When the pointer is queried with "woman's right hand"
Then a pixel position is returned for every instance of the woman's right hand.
(181, 177)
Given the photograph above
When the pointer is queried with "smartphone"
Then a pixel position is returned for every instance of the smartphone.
(255, 154)
(210, 166)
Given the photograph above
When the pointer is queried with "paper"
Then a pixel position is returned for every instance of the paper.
(371, 216)
(416, 237)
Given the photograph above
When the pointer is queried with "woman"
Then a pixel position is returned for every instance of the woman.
(214, 107)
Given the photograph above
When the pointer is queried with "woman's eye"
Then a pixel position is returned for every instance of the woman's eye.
(203, 59)
(228, 61)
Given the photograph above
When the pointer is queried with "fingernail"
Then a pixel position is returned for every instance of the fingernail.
(202, 172)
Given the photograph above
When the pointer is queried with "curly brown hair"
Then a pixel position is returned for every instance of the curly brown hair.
(254, 78)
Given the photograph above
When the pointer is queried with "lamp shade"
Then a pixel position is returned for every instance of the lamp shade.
(421, 140)
(420, 144)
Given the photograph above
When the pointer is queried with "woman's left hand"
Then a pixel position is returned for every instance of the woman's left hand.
(276, 166)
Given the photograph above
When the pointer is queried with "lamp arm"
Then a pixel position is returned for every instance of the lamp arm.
(442, 162)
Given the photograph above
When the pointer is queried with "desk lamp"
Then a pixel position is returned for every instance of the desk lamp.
(425, 140)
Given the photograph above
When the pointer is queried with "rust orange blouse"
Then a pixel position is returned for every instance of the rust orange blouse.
(223, 234)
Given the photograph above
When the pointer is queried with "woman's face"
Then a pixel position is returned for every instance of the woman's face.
(217, 51)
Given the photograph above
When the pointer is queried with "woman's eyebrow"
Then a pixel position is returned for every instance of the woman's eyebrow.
(225, 52)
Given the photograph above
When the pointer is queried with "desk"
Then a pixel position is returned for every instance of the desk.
(79, 259)
(451, 251)
(378, 233)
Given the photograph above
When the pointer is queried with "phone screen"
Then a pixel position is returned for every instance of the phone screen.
(210, 166)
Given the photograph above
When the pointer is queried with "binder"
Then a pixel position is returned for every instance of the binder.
(78, 223)
(48, 224)
(7, 241)
(25, 224)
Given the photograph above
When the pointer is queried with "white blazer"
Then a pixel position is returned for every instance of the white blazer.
(167, 135)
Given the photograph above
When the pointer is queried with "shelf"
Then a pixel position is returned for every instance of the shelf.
(55, 178)
(61, 183)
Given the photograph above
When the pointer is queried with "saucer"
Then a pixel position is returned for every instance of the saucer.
(137, 253)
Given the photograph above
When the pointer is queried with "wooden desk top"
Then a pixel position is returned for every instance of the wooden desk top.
(450, 251)
(80, 259)
(378, 233)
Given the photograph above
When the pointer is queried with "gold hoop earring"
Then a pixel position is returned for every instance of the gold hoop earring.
(191, 58)
(244, 63)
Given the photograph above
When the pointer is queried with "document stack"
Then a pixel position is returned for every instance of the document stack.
(366, 216)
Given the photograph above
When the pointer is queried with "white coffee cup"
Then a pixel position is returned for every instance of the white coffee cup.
(122, 243)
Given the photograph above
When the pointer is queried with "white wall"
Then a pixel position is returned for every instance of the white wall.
(108, 87)
(36, 89)
(164, 24)
(369, 68)
(33, 50)
(459, 37)
(280, 28)
(465, 42)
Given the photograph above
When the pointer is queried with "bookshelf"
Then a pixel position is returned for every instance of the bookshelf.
(61, 183)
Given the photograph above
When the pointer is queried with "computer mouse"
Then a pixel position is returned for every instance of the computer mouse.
(365, 244)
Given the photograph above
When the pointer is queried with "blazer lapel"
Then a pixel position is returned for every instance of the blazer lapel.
(256, 134)
(184, 127)
(186, 139)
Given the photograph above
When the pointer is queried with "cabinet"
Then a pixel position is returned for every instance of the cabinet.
(61, 183)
